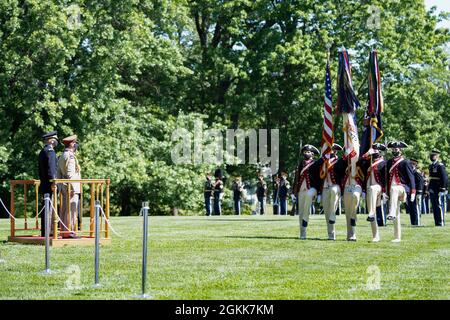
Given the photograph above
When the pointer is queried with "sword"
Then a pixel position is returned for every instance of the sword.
(443, 207)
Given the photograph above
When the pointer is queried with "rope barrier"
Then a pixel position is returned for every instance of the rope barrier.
(59, 219)
(7, 211)
(109, 223)
(40, 211)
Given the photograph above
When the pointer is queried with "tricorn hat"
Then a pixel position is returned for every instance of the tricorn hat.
(337, 147)
(397, 144)
(379, 146)
(414, 160)
(434, 151)
(308, 147)
(50, 135)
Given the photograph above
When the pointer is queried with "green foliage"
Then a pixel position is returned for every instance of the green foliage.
(122, 75)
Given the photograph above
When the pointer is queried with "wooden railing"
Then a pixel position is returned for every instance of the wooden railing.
(98, 190)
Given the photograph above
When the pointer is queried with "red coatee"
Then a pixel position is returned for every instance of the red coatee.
(376, 174)
(332, 173)
(305, 175)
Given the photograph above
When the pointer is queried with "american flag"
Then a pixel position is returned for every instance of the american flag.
(327, 132)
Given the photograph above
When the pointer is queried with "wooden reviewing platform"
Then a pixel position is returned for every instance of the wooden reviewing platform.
(60, 242)
(98, 192)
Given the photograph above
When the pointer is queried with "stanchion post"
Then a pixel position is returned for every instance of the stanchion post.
(144, 247)
(47, 232)
(97, 242)
(12, 209)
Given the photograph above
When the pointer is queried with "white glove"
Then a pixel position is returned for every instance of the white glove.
(293, 198)
(385, 197)
(319, 198)
(363, 195)
(370, 152)
(413, 196)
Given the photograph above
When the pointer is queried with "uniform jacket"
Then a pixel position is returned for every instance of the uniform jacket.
(312, 176)
(379, 171)
(284, 188)
(403, 172)
(218, 186)
(237, 191)
(47, 168)
(336, 170)
(438, 177)
(68, 168)
(208, 188)
(419, 180)
(261, 189)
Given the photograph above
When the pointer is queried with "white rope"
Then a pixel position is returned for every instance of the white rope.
(7, 211)
(109, 223)
(40, 212)
(59, 219)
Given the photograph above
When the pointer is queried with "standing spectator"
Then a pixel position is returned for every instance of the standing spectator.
(47, 169)
(208, 193)
(69, 168)
(237, 194)
(438, 188)
(261, 193)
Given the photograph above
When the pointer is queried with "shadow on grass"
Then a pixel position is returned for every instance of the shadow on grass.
(282, 238)
(246, 219)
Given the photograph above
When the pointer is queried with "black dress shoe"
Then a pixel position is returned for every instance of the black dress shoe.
(370, 219)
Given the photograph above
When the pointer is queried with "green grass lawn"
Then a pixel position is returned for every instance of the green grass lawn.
(246, 257)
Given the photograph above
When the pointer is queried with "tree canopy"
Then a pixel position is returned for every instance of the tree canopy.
(123, 75)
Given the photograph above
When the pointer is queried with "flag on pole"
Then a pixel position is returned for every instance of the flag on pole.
(327, 131)
(347, 103)
(373, 129)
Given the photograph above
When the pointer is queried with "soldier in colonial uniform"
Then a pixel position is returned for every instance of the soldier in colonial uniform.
(375, 185)
(237, 194)
(331, 189)
(47, 169)
(352, 188)
(69, 168)
(307, 185)
(400, 184)
(208, 193)
(276, 195)
(283, 192)
(261, 193)
(218, 192)
(437, 188)
(415, 207)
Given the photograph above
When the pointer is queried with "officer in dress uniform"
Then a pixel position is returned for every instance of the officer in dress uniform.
(375, 185)
(415, 207)
(237, 194)
(307, 185)
(218, 192)
(69, 168)
(47, 169)
(276, 195)
(331, 189)
(261, 193)
(400, 184)
(438, 188)
(352, 188)
(208, 193)
(283, 192)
